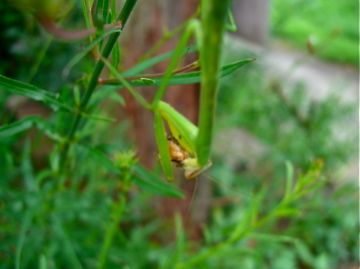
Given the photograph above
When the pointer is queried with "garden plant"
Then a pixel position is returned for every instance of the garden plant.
(85, 205)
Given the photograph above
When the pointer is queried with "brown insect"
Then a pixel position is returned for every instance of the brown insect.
(183, 159)
(177, 153)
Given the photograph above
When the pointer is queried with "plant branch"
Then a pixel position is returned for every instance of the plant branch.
(213, 20)
(123, 18)
(187, 68)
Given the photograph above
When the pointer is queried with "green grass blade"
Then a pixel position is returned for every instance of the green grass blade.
(105, 11)
(162, 144)
(30, 91)
(39, 59)
(86, 12)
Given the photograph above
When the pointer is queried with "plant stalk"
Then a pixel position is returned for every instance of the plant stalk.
(123, 18)
(213, 19)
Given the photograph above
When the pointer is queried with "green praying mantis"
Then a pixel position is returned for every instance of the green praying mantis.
(188, 145)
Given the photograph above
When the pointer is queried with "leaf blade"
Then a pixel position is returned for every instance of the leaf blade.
(30, 91)
(183, 78)
(27, 123)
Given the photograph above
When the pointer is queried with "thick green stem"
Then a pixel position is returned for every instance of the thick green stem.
(213, 18)
(123, 18)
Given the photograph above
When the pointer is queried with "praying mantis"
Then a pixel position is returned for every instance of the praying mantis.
(188, 145)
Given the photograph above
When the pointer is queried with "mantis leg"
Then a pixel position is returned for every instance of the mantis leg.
(162, 144)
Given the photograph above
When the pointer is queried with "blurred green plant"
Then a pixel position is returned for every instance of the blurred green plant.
(289, 126)
(89, 205)
(329, 27)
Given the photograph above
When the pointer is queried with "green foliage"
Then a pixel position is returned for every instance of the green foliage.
(290, 127)
(305, 127)
(84, 200)
(330, 26)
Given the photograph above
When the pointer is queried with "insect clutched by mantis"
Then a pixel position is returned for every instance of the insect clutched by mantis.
(180, 141)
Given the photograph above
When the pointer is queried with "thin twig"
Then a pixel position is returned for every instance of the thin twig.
(187, 68)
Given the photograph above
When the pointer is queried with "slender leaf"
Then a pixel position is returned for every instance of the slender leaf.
(183, 78)
(27, 123)
(137, 69)
(31, 91)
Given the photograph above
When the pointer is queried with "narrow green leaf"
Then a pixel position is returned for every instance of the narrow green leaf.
(86, 12)
(96, 13)
(162, 144)
(31, 91)
(137, 69)
(183, 78)
(78, 57)
(27, 123)
(105, 11)
(152, 183)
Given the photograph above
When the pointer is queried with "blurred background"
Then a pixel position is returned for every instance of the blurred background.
(298, 102)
